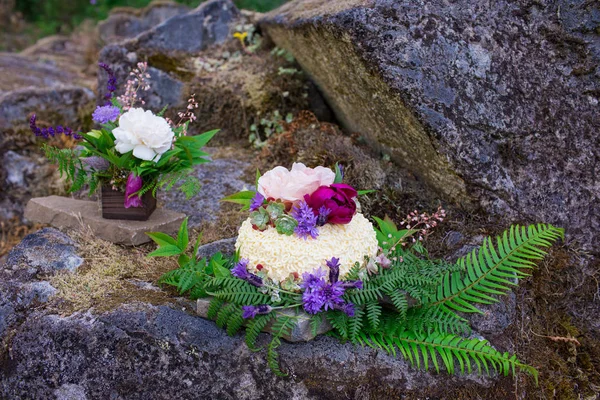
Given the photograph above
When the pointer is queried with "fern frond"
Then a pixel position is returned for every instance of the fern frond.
(435, 319)
(281, 327)
(235, 321)
(355, 324)
(494, 270)
(254, 328)
(213, 307)
(373, 311)
(452, 350)
(339, 322)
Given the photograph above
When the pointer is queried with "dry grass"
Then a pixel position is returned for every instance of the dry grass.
(105, 280)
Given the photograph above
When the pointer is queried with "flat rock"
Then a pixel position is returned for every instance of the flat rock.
(492, 104)
(64, 212)
(301, 331)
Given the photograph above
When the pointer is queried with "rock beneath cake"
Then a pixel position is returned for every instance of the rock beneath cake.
(280, 255)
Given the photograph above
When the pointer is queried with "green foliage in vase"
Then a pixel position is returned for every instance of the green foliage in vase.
(414, 307)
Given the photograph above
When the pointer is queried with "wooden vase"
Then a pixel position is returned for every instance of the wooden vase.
(113, 205)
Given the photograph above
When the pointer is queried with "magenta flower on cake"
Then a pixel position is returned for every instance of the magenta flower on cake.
(292, 185)
(338, 199)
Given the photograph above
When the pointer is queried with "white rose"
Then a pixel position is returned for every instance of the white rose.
(148, 135)
(281, 183)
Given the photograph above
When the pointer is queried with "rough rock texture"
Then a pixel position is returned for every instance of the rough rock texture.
(64, 212)
(43, 253)
(132, 353)
(27, 86)
(219, 178)
(124, 23)
(224, 246)
(495, 102)
(196, 53)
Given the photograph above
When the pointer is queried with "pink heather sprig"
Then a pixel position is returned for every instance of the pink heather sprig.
(186, 116)
(423, 222)
(136, 82)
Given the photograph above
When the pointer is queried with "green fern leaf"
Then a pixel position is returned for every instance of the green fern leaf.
(494, 270)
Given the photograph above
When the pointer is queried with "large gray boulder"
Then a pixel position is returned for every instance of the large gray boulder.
(492, 103)
(141, 351)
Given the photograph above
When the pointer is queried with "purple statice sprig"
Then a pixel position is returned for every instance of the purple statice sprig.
(334, 269)
(307, 221)
(240, 270)
(111, 85)
(106, 114)
(51, 131)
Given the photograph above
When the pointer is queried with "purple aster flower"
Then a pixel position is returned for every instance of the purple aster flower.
(334, 269)
(241, 271)
(111, 85)
(352, 284)
(313, 301)
(314, 280)
(307, 221)
(333, 293)
(348, 308)
(134, 183)
(50, 131)
(323, 214)
(105, 114)
(257, 202)
(253, 311)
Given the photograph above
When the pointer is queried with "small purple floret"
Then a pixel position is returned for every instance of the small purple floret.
(253, 311)
(334, 269)
(50, 131)
(257, 202)
(307, 221)
(105, 114)
(111, 85)
(241, 271)
(323, 214)
(352, 284)
(348, 308)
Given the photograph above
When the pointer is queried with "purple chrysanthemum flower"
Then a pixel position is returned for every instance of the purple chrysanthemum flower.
(111, 85)
(312, 301)
(314, 280)
(134, 184)
(257, 202)
(253, 311)
(323, 214)
(334, 269)
(348, 308)
(50, 131)
(241, 271)
(105, 114)
(307, 220)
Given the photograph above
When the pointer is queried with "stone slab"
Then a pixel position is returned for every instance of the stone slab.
(64, 212)
(301, 332)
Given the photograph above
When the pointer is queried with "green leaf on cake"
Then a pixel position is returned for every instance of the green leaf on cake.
(260, 218)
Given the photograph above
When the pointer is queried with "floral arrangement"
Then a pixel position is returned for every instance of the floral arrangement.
(135, 150)
(303, 217)
(395, 299)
